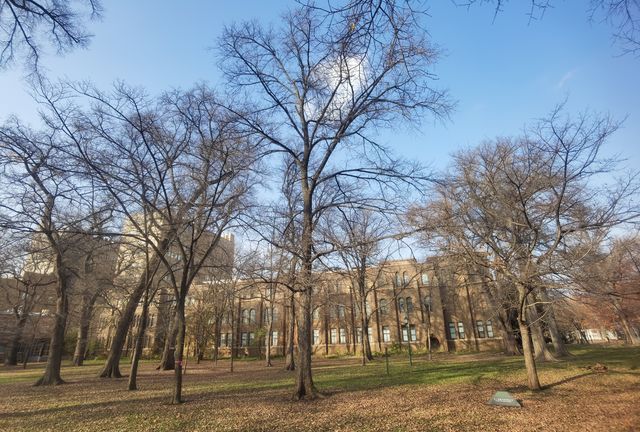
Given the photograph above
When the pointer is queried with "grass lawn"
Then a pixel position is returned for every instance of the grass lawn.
(449, 393)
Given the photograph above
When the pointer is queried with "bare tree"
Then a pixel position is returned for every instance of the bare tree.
(522, 202)
(45, 200)
(607, 282)
(26, 24)
(358, 236)
(176, 163)
(316, 102)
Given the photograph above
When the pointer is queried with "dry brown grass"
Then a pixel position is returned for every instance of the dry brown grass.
(448, 394)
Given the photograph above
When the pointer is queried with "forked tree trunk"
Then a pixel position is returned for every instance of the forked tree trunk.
(529, 359)
(527, 346)
(541, 351)
(367, 355)
(52, 370)
(179, 352)
(290, 363)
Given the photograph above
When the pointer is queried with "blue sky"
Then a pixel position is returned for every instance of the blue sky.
(503, 73)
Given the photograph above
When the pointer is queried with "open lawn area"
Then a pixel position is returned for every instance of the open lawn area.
(449, 393)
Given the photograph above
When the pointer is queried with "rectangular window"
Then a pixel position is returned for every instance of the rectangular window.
(341, 311)
(452, 330)
(251, 338)
(334, 336)
(316, 336)
(489, 329)
(243, 339)
(358, 335)
(370, 333)
(274, 338)
(316, 314)
(461, 330)
(427, 303)
(412, 330)
(386, 334)
(480, 326)
(343, 336)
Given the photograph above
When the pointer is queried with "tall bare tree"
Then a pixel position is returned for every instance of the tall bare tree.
(45, 199)
(316, 103)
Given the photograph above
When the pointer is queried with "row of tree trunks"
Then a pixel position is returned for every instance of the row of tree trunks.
(111, 367)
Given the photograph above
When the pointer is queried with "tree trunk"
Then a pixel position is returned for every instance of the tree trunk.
(529, 359)
(269, 338)
(167, 362)
(367, 355)
(510, 344)
(629, 334)
(137, 352)
(179, 352)
(527, 347)
(560, 349)
(12, 357)
(52, 370)
(541, 351)
(88, 301)
(290, 363)
(304, 381)
(111, 368)
(217, 333)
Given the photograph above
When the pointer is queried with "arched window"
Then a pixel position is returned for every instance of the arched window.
(409, 302)
(398, 281)
(405, 278)
(245, 316)
(252, 316)
(401, 304)
(425, 279)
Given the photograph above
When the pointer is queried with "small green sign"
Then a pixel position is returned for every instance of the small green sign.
(503, 398)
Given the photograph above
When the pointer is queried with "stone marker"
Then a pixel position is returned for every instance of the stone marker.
(503, 398)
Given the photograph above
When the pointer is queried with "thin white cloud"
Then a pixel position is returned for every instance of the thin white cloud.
(565, 78)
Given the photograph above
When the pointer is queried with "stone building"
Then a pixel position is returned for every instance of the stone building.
(425, 304)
